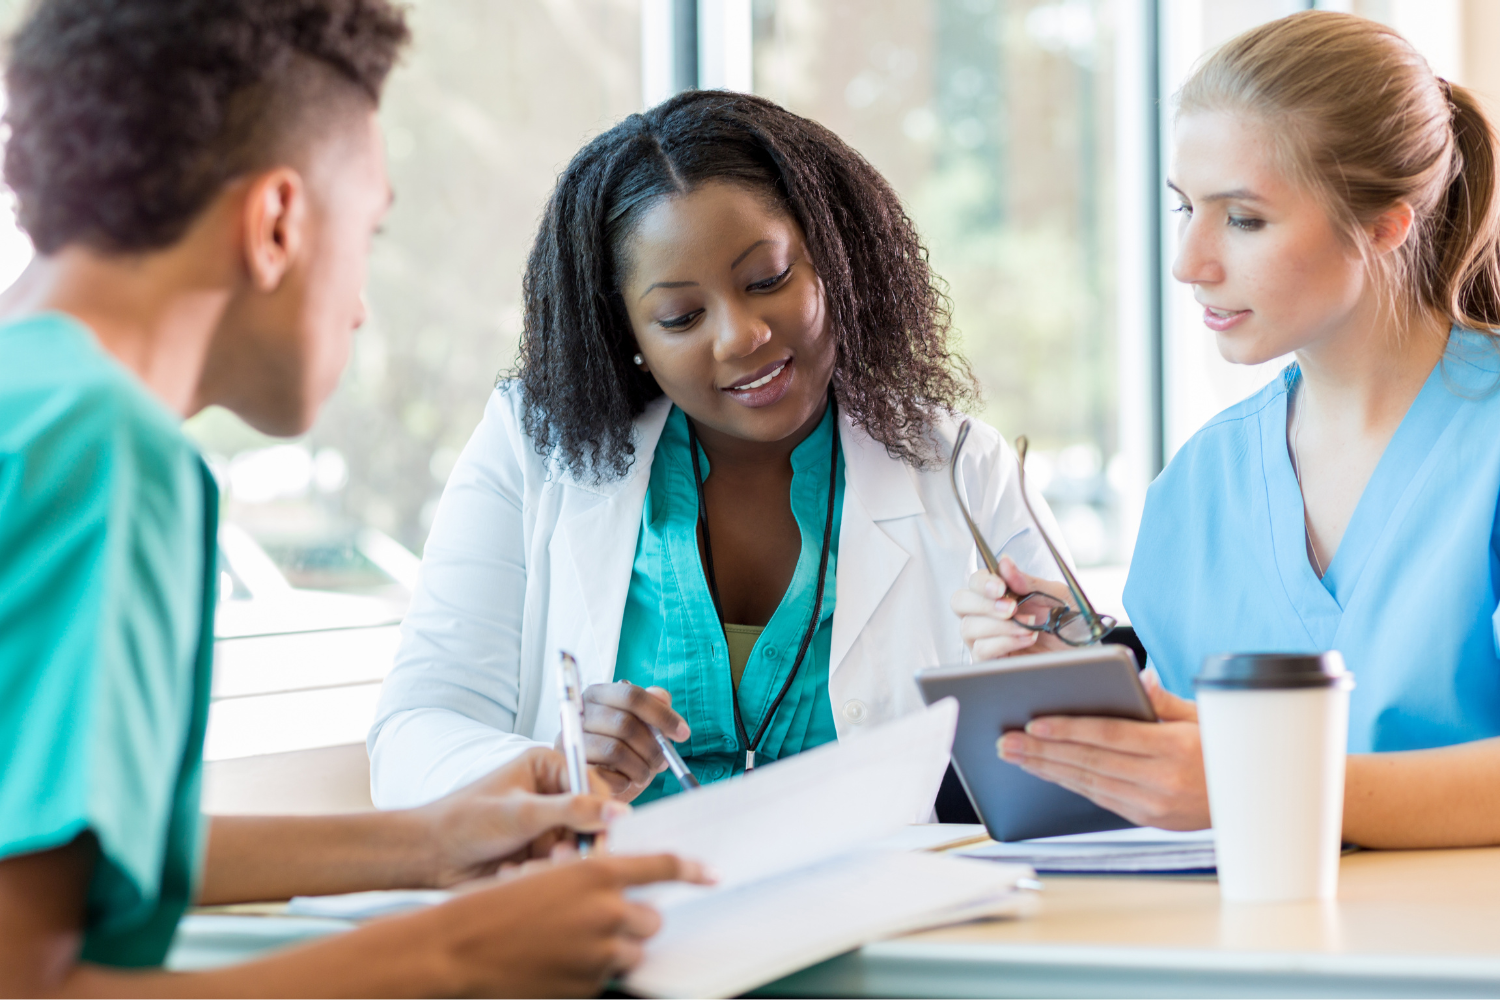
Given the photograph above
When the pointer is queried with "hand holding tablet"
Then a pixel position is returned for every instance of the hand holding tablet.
(1004, 695)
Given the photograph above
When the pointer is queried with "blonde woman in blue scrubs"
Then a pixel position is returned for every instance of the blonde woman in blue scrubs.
(1338, 201)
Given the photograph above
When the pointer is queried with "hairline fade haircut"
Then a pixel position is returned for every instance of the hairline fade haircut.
(1356, 115)
(127, 117)
(894, 370)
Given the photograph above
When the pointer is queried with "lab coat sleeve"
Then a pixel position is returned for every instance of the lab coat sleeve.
(448, 709)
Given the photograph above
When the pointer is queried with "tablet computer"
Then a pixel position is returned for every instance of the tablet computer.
(998, 696)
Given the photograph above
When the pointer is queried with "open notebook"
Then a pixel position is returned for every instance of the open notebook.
(802, 876)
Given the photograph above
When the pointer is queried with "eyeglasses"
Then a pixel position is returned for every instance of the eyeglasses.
(1039, 612)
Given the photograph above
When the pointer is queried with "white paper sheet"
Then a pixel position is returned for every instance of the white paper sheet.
(1141, 850)
(730, 942)
(814, 806)
(800, 878)
(932, 836)
(366, 905)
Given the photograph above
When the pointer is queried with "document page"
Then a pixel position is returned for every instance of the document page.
(797, 812)
(1139, 850)
(801, 875)
(731, 942)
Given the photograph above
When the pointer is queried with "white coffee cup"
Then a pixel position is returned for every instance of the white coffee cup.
(1274, 729)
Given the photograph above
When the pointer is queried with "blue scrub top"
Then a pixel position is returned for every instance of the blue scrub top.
(1410, 596)
(671, 638)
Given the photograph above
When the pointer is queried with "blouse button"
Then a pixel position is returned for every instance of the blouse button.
(854, 711)
(772, 652)
(729, 743)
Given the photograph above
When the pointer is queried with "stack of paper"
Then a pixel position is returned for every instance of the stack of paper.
(366, 905)
(935, 837)
(1139, 851)
(802, 875)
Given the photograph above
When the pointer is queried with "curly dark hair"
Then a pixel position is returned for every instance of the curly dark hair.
(894, 370)
(128, 116)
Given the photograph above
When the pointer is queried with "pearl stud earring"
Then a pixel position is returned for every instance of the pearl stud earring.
(639, 360)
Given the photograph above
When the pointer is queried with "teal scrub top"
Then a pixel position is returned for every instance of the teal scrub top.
(671, 638)
(107, 524)
(1410, 596)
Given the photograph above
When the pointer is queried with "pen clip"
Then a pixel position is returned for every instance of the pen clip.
(570, 684)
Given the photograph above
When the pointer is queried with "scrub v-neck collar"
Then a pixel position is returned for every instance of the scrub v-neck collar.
(1387, 497)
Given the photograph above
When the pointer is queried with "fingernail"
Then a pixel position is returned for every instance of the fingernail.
(683, 732)
(992, 589)
(1005, 606)
(709, 873)
(614, 809)
(1036, 727)
(1008, 747)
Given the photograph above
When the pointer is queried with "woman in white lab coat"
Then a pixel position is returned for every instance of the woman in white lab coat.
(717, 477)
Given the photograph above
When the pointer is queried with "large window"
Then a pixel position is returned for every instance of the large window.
(322, 533)
(995, 122)
(492, 101)
(1027, 138)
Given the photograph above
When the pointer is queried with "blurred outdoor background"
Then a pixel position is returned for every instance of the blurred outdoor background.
(1027, 138)
(993, 119)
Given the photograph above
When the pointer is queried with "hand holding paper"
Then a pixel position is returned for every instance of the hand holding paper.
(800, 879)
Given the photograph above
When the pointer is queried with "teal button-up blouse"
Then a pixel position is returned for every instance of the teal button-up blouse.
(671, 638)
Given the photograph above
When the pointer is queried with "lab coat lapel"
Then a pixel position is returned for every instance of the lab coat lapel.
(593, 552)
(877, 488)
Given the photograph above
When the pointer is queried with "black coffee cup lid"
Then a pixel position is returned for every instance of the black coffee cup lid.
(1272, 671)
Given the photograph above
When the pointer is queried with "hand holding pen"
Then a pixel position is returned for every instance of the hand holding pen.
(617, 722)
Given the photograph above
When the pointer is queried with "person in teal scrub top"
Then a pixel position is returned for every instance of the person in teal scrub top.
(1338, 202)
(201, 180)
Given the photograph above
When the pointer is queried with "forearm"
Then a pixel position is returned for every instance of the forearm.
(402, 956)
(1447, 797)
(276, 857)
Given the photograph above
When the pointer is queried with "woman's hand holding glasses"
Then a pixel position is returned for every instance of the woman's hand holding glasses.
(991, 622)
(1060, 610)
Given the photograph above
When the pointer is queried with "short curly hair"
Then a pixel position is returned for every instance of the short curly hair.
(894, 369)
(127, 117)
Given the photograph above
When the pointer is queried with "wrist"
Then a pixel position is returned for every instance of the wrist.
(434, 938)
(412, 840)
(429, 828)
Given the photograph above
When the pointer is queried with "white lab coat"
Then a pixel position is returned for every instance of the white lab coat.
(524, 560)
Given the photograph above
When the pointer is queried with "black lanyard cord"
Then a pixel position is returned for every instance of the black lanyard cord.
(750, 745)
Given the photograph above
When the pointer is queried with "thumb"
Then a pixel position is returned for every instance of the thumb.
(1168, 707)
(1020, 583)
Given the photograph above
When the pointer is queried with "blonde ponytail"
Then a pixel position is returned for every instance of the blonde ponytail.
(1463, 275)
(1359, 116)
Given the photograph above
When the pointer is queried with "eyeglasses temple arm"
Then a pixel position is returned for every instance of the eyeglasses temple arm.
(1096, 627)
(990, 562)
